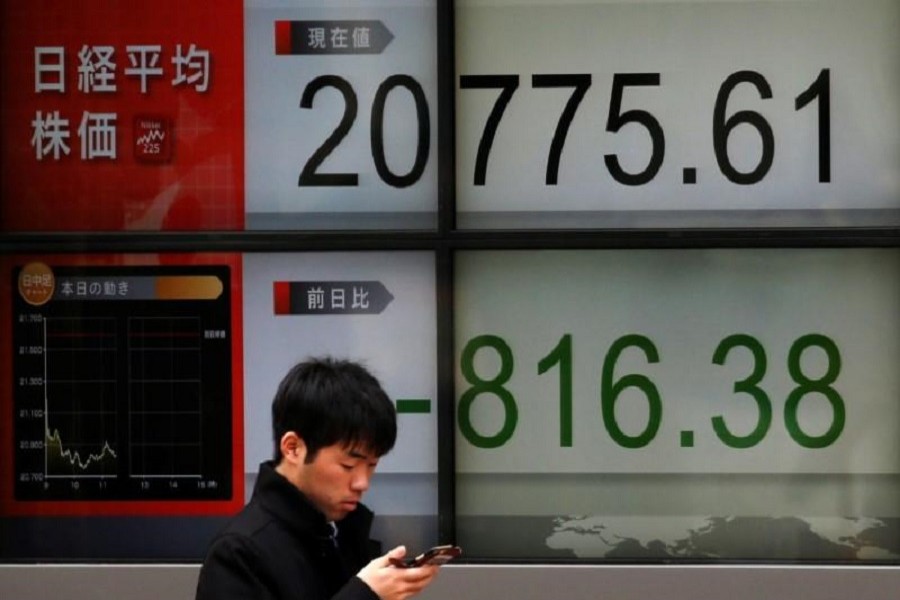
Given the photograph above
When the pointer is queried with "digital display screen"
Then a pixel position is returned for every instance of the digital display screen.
(641, 404)
(676, 114)
(341, 114)
(123, 402)
(695, 404)
(191, 116)
(122, 383)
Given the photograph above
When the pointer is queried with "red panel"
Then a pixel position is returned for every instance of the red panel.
(282, 297)
(9, 505)
(282, 37)
(162, 151)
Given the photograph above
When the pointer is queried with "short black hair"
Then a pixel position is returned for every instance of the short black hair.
(327, 401)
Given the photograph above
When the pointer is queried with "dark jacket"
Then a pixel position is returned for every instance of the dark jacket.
(278, 547)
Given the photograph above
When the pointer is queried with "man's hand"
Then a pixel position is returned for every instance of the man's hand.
(392, 583)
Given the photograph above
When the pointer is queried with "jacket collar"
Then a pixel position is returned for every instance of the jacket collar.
(291, 506)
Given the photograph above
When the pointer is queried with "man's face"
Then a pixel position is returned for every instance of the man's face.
(336, 479)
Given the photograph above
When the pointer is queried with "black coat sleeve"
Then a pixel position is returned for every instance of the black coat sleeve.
(355, 589)
(235, 568)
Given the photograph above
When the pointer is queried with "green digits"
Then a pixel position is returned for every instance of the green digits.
(822, 386)
(609, 392)
(487, 386)
(746, 386)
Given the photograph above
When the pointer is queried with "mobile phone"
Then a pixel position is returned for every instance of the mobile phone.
(437, 555)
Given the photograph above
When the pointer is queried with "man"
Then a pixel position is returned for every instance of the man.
(304, 535)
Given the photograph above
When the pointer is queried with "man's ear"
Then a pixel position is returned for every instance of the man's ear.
(293, 448)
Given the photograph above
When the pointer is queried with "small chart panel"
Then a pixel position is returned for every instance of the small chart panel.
(122, 383)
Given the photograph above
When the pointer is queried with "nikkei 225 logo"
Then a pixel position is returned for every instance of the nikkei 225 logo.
(153, 139)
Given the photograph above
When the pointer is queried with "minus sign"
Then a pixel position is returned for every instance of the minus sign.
(414, 406)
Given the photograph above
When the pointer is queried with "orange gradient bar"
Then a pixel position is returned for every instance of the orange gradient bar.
(188, 287)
